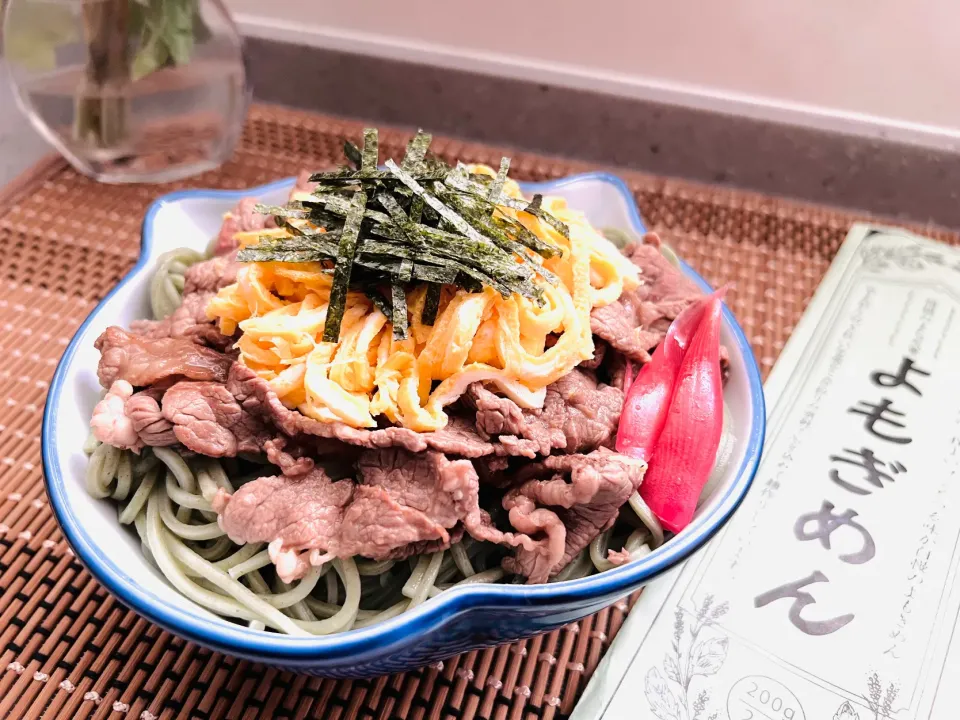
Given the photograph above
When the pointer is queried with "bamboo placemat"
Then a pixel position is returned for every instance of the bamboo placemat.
(69, 650)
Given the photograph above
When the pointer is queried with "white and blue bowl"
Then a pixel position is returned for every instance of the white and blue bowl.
(457, 621)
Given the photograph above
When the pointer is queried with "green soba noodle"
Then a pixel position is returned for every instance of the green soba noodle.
(166, 496)
(166, 287)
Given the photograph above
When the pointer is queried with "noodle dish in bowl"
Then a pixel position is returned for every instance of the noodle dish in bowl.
(391, 402)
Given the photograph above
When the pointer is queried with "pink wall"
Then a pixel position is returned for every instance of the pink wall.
(895, 60)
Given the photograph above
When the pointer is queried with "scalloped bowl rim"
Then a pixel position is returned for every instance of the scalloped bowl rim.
(439, 611)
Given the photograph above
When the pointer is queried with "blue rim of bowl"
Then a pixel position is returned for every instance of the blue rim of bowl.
(430, 616)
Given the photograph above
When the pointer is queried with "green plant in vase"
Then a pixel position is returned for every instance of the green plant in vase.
(126, 41)
(129, 90)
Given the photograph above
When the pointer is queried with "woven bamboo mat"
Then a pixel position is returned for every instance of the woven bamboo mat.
(69, 650)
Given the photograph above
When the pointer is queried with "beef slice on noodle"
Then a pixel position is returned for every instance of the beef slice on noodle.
(427, 482)
(143, 362)
(110, 423)
(520, 432)
(295, 515)
(151, 426)
(585, 412)
(312, 519)
(377, 526)
(211, 275)
(578, 415)
(254, 393)
(446, 492)
(637, 322)
(427, 491)
(303, 184)
(292, 458)
(201, 416)
(584, 492)
(401, 504)
(187, 321)
(243, 218)
(207, 419)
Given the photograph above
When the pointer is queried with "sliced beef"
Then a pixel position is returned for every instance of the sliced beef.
(144, 412)
(207, 419)
(520, 432)
(187, 321)
(303, 184)
(142, 361)
(376, 525)
(425, 547)
(578, 415)
(427, 491)
(541, 555)
(110, 424)
(427, 482)
(599, 353)
(242, 218)
(295, 515)
(304, 512)
(291, 458)
(403, 503)
(203, 417)
(586, 411)
(254, 393)
(211, 275)
(446, 492)
(459, 438)
(637, 322)
(585, 492)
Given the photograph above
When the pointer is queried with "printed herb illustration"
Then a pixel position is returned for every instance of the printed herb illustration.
(879, 701)
(695, 651)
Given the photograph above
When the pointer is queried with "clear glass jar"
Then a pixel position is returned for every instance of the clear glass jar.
(130, 90)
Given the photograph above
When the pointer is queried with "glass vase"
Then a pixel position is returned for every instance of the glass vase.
(130, 90)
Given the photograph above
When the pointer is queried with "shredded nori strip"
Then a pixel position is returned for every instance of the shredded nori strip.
(459, 179)
(341, 272)
(347, 176)
(290, 211)
(416, 209)
(371, 152)
(399, 218)
(380, 302)
(353, 154)
(416, 151)
(496, 187)
(436, 275)
(337, 205)
(419, 222)
(431, 304)
(540, 214)
(446, 213)
(399, 316)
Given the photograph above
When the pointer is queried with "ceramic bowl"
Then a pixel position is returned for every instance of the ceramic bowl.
(463, 619)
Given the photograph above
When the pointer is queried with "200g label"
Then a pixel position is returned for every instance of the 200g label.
(761, 698)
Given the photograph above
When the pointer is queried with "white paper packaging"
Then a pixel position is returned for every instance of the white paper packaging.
(832, 593)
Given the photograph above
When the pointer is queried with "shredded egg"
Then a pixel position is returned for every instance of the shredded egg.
(513, 344)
